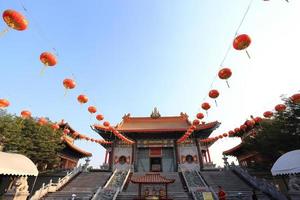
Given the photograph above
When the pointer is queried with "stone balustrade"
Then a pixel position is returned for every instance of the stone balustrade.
(53, 187)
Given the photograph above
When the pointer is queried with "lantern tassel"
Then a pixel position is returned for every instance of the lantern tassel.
(248, 54)
(43, 70)
(216, 102)
(3, 32)
(227, 84)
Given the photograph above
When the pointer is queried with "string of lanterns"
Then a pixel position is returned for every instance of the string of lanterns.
(249, 124)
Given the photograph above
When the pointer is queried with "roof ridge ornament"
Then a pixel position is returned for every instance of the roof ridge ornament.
(155, 114)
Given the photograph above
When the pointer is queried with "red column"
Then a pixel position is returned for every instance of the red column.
(208, 155)
(205, 156)
(105, 159)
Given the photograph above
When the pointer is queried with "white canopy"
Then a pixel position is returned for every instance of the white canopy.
(16, 164)
(288, 163)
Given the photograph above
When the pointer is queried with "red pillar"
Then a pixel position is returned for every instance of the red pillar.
(208, 155)
(105, 159)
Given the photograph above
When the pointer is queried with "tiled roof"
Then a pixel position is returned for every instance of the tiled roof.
(234, 149)
(161, 124)
(71, 145)
(151, 178)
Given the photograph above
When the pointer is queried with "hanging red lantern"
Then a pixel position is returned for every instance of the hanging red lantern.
(99, 117)
(243, 127)
(25, 114)
(230, 133)
(69, 84)
(66, 131)
(55, 126)
(225, 74)
(205, 106)
(214, 94)
(14, 20)
(237, 130)
(295, 98)
(196, 122)
(48, 59)
(200, 116)
(42, 121)
(280, 107)
(106, 124)
(92, 140)
(225, 134)
(250, 123)
(257, 119)
(82, 99)
(268, 114)
(92, 109)
(220, 136)
(242, 42)
(4, 103)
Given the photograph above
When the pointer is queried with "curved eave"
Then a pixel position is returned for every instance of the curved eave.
(233, 150)
(77, 149)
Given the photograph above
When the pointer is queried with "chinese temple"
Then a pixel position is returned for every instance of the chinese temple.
(155, 147)
(70, 154)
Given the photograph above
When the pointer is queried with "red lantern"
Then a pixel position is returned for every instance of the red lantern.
(4, 103)
(205, 106)
(250, 123)
(257, 119)
(14, 20)
(242, 42)
(25, 114)
(82, 99)
(42, 121)
(237, 130)
(230, 133)
(69, 84)
(196, 122)
(92, 140)
(280, 107)
(243, 127)
(106, 124)
(48, 59)
(66, 131)
(92, 109)
(200, 116)
(75, 134)
(55, 126)
(225, 74)
(220, 136)
(214, 94)
(99, 117)
(268, 114)
(295, 98)
(225, 134)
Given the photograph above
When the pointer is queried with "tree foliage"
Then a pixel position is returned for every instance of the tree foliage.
(25, 136)
(278, 135)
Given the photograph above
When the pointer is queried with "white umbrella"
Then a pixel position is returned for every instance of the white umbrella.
(288, 163)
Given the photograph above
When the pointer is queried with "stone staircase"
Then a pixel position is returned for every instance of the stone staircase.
(176, 190)
(232, 184)
(83, 186)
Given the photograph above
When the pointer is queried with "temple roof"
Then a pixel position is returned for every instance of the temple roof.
(151, 178)
(233, 150)
(70, 143)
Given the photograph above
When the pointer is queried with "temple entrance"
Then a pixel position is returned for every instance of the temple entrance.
(155, 165)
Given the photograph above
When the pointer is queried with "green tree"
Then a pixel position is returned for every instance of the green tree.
(278, 135)
(25, 136)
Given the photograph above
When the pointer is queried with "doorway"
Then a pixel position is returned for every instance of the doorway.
(155, 164)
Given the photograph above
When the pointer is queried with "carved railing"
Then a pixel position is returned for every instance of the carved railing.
(196, 184)
(53, 187)
(259, 184)
(114, 185)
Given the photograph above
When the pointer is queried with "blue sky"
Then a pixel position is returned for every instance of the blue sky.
(129, 56)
